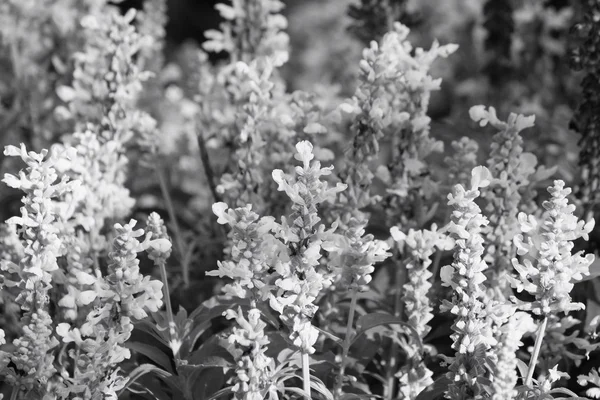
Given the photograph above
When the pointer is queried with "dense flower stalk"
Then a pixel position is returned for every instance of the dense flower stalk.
(505, 369)
(511, 168)
(472, 336)
(252, 253)
(500, 26)
(119, 298)
(300, 278)
(153, 21)
(374, 18)
(462, 160)
(254, 369)
(552, 277)
(100, 165)
(392, 100)
(252, 87)
(107, 80)
(418, 247)
(586, 120)
(39, 222)
(252, 29)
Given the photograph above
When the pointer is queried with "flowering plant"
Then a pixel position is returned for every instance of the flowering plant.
(296, 243)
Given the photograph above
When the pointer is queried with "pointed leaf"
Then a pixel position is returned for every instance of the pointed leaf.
(370, 321)
(153, 353)
(436, 390)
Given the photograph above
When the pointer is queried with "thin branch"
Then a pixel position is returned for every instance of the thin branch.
(173, 217)
(208, 171)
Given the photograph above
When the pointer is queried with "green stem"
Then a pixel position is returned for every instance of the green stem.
(168, 306)
(306, 375)
(14, 395)
(173, 217)
(390, 388)
(536, 351)
(346, 345)
(208, 171)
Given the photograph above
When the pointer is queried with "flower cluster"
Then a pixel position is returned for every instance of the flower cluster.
(472, 335)
(119, 298)
(40, 221)
(505, 374)
(500, 26)
(252, 87)
(300, 280)
(585, 120)
(251, 29)
(392, 100)
(252, 252)
(511, 169)
(374, 18)
(254, 369)
(462, 161)
(357, 254)
(418, 247)
(551, 279)
(107, 81)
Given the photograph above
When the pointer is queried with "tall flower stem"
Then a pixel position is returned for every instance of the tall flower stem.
(390, 388)
(173, 217)
(306, 375)
(167, 298)
(346, 345)
(14, 395)
(208, 170)
(536, 352)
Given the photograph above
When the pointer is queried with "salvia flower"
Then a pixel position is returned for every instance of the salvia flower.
(511, 168)
(592, 378)
(509, 341)
(418, 247)
(253, 250)
(300, 280)
(107, 79)
(357, 255)
(472, 336)
(254, 369)
(39, 225)
(462, 161)
(392, 100)
(585, 119)
(373, 18)
(252, 88)
(121, 297)
(550, 242)
(252, 29)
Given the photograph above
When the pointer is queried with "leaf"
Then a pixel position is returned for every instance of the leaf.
(190, 338)
(141, 371)
(152, 387)
(434, 391)
(208, 382)
(331, 336)
(152, 353)
(212, 353)
(522, 367)
(370, 321)
(318, 386)
(148, 327)
(221, 393)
